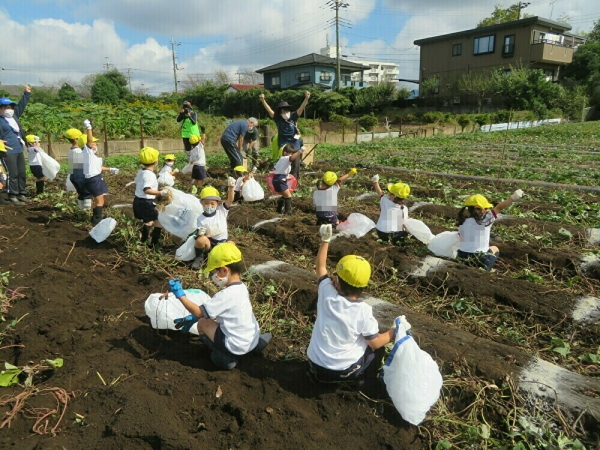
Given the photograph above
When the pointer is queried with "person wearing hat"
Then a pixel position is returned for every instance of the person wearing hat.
(92, 170)
(75, 171)
(243, 176)
(35, 161)
(390, 226)
(280, 177)
(232, 139)
(287, 126)
(11, 132)
(212, 223)
(474, 222)
(189, 125)
(325, 197)
(167, 173)
(226, 323)
(3, 201)
(345, 334)
(146, 191)
(197, 158)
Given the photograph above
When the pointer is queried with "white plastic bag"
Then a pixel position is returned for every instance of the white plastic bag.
(412, 378)
(180, 217)
(102, 231)
(187, 251)
(356, 224)
(187, 169)
(50, 166)
(162, 313)
(252, 191)
(69, 184)
(419, 230)
(166, 179)
(445, 244)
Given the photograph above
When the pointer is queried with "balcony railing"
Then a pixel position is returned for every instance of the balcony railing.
(550, 41)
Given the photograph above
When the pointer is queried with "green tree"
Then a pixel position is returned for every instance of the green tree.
(594, 35)
(67, 93)
(502, 15)
(429, 86)
(480, 85)
(44, 94)
(585, 67)
(119, 80)
(104, 91)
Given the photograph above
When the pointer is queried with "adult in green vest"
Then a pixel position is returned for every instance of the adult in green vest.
(189, 126)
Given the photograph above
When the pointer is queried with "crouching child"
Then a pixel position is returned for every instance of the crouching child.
(325, 197)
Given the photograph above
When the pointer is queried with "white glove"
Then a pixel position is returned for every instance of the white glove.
(326, 232)
(114, 170)
(302, 149)
(87, 124)
(407, 326)
(375, 178)
(517, 195)
(164, 192)
(175, 170)
(201, 231)
(254, 169)
(231, 182)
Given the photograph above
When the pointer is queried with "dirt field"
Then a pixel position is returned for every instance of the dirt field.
(126, 385)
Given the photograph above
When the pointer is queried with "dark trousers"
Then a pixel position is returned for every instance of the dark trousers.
(235, 158)
(186, 144)
(17, 174)
(295, 168)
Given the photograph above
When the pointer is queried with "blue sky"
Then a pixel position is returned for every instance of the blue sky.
(52, 41)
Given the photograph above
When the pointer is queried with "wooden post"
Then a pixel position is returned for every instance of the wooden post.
(454, 130)
(356, 135)
(105, 141)
(142, 133)
(343, 133)
(400, 133)
(50, 151)
(373, 134)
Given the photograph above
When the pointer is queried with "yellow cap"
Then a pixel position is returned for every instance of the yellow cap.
(82, 141)
(222, 255)
(2, 147)
(354, 270)
(210, 193)
(72, 133)
(148, 155)
(329, 178)
(32, 138)
(170, 156)
(479, 201)
(240, 169)
(400, 190)
(194, 139)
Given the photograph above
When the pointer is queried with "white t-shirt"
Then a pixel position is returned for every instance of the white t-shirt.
(326, 199)
(92, 164)
(340, 334)
(216, 225)
(392, 216)
(145, 179)
(75, 159)
(165, 169)
(238, 184)
(283, 166)
(34, 156)
(475, 237)
(232, 310)
(197, 156)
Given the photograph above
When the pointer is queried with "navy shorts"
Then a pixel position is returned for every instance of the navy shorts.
(327, 217)
(330, 376)
(280, 183)
(96, 186)
(144, 209)
(37, 171)
(215, 242)
(395, 236)
(78, 181)
(199, 172)
(219, 342)
(479, 259)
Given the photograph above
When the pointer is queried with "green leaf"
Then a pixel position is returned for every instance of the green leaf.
(484, 431)
(54, 363)
(9, 366)
(564, 351)
(590, 358)
(565, 232)
(443, 445)
(9, 377)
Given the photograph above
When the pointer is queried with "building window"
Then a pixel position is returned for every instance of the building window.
(549, 74)
(287, 80)
(303, 76)
(484, 45)
(275, 81)
(325, 76)
(457, 50)
(508, 49)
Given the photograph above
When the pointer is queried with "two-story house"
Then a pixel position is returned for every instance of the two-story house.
(532, 42)
(310, 70)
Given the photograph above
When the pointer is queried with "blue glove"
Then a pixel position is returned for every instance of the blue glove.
(176, 288)
(185, 323)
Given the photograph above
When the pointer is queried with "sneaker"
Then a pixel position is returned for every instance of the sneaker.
(23, 198)
(16, 201)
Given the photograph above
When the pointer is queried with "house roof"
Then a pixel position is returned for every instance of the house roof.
(558, 26)
(314, 59)
(245, 87)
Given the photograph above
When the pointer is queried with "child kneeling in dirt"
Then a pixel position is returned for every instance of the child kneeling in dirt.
(474, 222)
(243, 176)
(282, 170)
(35, 162)
(146, 191)
(345, 334)
(212, 223)
(325, 197)
(226, 323)
(197, 158)
(390, 226)
(168, 169)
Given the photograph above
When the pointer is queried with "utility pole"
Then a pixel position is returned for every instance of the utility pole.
(106, 64)
(129, 77)
(175, 68)
(336, 5)
(523, 5)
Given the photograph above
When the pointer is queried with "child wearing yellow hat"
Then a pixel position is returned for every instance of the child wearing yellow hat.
(390, 226)
(212, 223)
(345, 334)
(325, 197)
(243, 176)
(474, 222)
(197, 157)
(3, 171)
(168, 169)
(75, 171)
(146, 191)
(35, 162)
(282, 169)
(226, 322)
